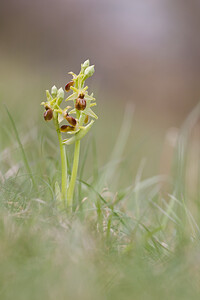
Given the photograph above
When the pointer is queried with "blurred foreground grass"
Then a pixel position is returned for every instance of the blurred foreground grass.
(131, 236)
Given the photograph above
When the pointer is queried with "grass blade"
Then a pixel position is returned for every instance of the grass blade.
(25, 160)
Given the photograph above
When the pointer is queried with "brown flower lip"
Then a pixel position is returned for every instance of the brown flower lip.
(48, 114)
(72, 121)
(80, 104)
(68, 85)
(66, 128)
(81, 95)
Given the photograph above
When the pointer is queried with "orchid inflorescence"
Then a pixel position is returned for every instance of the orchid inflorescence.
(77, 126)
(82, 105)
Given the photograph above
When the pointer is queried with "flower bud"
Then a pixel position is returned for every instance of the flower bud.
(66, 128)
(89, 71)
(72, 121)
(60, 94)
(48, 114)
(68, 85)
(54, 91)
(80, 104)
(85, 64)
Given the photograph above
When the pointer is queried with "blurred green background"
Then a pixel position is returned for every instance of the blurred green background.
(147, 60)
(145, 53)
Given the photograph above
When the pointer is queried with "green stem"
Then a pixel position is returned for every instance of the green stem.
(70, 191)
(63, 160)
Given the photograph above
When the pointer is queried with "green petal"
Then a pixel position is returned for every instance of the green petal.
(74, 89)
(73, 96)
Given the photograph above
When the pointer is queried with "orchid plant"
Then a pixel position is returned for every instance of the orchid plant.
(78, 125)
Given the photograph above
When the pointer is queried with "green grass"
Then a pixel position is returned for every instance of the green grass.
(127, 238)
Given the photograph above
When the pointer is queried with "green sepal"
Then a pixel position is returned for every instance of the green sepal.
(60, 118)
(73, 74)
(93, 104)
(73, 96)
(89, 97)
(91, 113)
(79, 135)
(73, 111)
(48, 95)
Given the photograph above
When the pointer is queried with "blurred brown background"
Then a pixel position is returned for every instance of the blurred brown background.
(145, 51)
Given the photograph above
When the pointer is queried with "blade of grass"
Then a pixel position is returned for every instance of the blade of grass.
(180, 156)
(95, 163)
(25, 160)
(82, 170)
(119, 147)
(103, 200)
